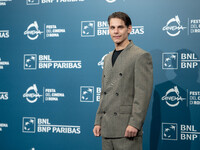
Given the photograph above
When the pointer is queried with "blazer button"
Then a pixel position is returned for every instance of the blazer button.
(120, 74)
(115, 113)
(117, 94)
(104, 76)
(104, 112)
(104, 93)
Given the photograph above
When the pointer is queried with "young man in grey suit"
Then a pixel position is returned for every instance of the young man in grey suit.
(127, 82)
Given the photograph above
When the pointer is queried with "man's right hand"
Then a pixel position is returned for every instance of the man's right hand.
(97, 130)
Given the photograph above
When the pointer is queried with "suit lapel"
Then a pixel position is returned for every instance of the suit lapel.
(109, 65)
(112, 72)
(109, 68)
(122, 55)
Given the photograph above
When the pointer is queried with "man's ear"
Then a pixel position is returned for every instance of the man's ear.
(129, 29)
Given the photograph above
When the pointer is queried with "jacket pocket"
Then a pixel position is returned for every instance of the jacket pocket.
(125, 109)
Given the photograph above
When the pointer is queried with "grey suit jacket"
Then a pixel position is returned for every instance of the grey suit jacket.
(126, 91)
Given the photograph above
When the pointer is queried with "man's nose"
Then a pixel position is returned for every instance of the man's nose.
(116, 30)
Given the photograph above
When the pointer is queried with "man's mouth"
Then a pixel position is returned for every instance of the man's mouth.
(116, 37)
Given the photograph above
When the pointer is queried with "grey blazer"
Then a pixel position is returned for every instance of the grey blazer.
(126, 91)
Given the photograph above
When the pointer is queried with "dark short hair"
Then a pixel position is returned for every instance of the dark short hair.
(121, 15)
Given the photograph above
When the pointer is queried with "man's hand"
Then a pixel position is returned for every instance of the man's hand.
(131, 131)
(97, 130)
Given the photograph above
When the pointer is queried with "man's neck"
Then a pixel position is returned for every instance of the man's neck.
(122, 45)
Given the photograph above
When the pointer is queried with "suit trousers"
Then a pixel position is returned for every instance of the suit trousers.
(123, 143)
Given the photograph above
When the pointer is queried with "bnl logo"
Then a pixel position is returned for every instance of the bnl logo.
(32, 2)
(87, 28)
(169, 131)
(170, 60)
(30, 61)
(28, 124)
(87, 94)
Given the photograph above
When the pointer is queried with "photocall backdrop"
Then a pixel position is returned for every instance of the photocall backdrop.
(51, 57)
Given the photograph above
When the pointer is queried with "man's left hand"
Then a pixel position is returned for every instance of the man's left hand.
(131, 131)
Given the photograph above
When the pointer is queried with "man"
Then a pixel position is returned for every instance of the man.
(126, 89)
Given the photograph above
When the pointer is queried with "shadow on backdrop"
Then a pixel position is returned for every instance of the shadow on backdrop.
(171, 107)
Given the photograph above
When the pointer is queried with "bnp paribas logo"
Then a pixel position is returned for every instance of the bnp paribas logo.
(87, 28)
(28, 124)
(4, 34)
(3, 96)
(87, 93)
(170, 60)
(32, 2)
(169, 131)
(30, 61)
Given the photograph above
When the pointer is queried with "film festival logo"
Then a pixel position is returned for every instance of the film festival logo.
(4, 2)
(194, 97)
(50, 31)
(3, 63)
(43, 125)
(110, 1)
(33, 31)
(194, 25)
(4, 96)
(4, 34)
(172, 97)
(173, 27)
(186, 132)
(49, 94)
(101, 62)
(32, 94)
(169, 131)
(3, 125)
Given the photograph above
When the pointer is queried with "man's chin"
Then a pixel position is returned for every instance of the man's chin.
(117, 42)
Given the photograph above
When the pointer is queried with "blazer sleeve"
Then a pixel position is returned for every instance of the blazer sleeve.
(143, 84)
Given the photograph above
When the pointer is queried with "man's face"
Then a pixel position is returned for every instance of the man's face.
(118, 30)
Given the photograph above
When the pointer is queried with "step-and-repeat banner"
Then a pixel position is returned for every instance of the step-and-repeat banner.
(51, 57)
